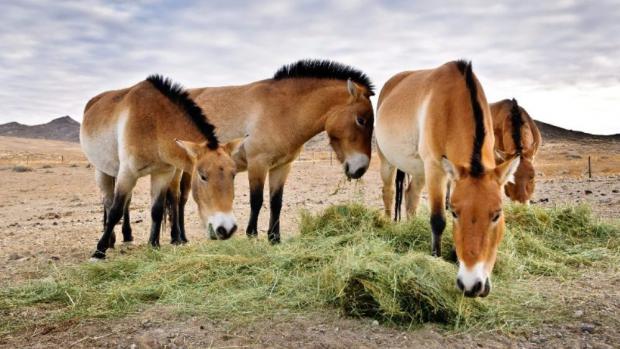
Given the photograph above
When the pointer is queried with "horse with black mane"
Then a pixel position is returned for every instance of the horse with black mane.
(133, 132)
(277, 116)
(436, 126)
(516, 134)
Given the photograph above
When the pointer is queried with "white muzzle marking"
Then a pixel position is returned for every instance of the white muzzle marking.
(356, 162)
(225, 220)
(469, 277)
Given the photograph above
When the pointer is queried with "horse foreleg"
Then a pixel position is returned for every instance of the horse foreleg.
(127, 235)
(172, 202)
(436, 186)
(256, 176)
(277, 178)
(159, 186)
(185, 187)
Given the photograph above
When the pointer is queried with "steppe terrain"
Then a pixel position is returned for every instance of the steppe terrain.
(50, 213)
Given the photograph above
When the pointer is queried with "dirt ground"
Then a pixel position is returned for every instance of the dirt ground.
(52, 214)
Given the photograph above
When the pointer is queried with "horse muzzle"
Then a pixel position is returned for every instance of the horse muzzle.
(356, 165)
(222, 226)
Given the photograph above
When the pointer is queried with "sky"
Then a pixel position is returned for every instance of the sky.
(560, 59)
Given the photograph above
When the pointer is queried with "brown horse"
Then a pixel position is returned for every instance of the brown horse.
(278, 115)
(436, 126)
(130, 133)
(516, 134)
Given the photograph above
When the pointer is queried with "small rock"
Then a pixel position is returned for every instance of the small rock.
(55, 258)
(375, 323)
(588, 192)
(577, 314)
(589, 328)
(14, 257)
(202, 327)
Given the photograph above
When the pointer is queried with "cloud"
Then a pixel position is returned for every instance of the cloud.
(55, 55)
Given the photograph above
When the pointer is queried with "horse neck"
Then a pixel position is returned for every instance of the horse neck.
(315, 98)
(180, 128)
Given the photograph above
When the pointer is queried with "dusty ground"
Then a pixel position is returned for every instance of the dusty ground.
(52, 215)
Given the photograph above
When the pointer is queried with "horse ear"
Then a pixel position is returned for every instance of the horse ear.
(353, 90)
(505, 172)
(192, 149)
(450, 169)
(500, 155)
(233, 146)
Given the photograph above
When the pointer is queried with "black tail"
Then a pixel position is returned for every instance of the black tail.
(400, 180)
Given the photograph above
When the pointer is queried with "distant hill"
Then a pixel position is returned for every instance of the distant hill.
(551, 132)
(62, 129)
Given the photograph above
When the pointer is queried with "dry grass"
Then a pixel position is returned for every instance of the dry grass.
(348, 258)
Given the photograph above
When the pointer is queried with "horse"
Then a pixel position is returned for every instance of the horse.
(435, 125)
(154, 128)
(276, 116)
(516, 134)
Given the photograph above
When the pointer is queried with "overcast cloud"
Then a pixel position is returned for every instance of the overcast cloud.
(560, 59)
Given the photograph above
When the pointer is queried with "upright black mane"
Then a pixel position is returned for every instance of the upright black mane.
(324, 69)
(178, 95)
(517, 123)
(477, 169)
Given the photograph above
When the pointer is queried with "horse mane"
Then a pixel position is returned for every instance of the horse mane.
(476, 167)
(517, 123)
(179, 96)
(324, 69)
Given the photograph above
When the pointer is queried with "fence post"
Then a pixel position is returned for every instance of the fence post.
(589, 167)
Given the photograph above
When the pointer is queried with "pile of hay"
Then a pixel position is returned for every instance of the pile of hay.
(348, 257)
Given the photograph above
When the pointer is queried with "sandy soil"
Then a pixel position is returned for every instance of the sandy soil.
(53, 214)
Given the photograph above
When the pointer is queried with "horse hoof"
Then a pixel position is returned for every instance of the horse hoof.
(176, 242)
(129, 242)
(95, 260)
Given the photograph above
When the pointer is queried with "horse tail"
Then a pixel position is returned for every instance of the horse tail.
(400, 179)
(517, 123)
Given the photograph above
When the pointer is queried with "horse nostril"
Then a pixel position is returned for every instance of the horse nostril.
(477, 287)
(487, 289)
(233, 230)
(358, 174)
(460, 285)
(221, 232)
(346, 168)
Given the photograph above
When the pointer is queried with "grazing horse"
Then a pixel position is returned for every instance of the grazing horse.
(278, 115)
(435, 125)
(130, 133)
(516, 134)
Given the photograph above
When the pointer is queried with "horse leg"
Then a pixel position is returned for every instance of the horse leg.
(387, 176)
(106, 185)
(414, 189)
(160, 182)
(185, 187)
(172, 201)
(125, 183)
(277, 178)
(127, 235)
(436, 186)
(256, 176)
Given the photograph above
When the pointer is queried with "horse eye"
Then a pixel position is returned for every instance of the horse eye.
(496, 217)
(203, 177)
(360, 121)
(454, 215)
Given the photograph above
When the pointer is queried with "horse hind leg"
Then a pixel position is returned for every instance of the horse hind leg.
(388, 173)
(172, 202)
(106, 186)
(123, 186)
(414, 189)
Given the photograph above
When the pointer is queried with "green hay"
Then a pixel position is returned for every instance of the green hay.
(347, 257)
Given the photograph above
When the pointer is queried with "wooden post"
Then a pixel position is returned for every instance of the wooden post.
(589, 167)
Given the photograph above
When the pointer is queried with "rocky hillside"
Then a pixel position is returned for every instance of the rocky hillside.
(62, 129)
